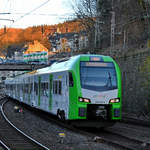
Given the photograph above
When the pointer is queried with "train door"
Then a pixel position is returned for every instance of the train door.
(39, 91)
(55, 95)
(26, 90)
(15, 90)
(65, 93)
(11, 90)
(31, 89)
(44, 92)
(35, 92)
(60, 94)
(23, 89)
(18, 89)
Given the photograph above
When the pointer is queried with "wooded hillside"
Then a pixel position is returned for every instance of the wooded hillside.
(14, 36)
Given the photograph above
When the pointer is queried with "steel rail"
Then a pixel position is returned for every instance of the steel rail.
(4, 145)
(135, 121)
(33, 140)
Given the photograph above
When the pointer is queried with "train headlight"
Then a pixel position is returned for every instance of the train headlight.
(114, 100)
(86, 100)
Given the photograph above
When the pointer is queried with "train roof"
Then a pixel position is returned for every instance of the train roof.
(69, 62)
(65, 64)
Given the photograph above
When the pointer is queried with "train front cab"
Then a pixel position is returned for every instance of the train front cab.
(95, 106)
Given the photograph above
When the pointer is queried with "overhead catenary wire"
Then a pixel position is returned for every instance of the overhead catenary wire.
(30, 12)
(25, 14)
(37, 14)
(6, 4)
(7, 19)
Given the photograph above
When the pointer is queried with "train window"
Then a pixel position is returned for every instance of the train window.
(98, 76)
(36, 88)
(11, 87)
(30, 87)
(56, 87)
(44, 87)
(60, 87)
(21, 87)
(26, 88)
(70, 79)
(53, 87)
(66, 80)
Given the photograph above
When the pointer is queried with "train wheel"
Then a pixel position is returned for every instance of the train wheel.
(58, 114)
(61, 115)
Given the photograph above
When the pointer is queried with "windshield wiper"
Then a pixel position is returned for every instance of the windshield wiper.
(109, 81)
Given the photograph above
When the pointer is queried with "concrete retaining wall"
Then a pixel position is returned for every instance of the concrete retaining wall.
(135, 68)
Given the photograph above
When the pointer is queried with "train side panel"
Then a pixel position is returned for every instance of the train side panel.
(44, 92)
(85, 87)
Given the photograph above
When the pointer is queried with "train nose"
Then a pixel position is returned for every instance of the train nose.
(116, 112)
(95, 111)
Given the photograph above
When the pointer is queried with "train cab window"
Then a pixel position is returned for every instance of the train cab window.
(70, 80)
(98, 76)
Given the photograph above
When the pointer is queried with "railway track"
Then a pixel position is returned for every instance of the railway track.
(136, 121)
(124, 141)
(118, 141)
(13, 138)
(93, 137)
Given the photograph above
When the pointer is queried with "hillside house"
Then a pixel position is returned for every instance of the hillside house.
(68, 42)
(37, 52)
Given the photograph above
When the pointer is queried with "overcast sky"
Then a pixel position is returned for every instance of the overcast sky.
(26, 13)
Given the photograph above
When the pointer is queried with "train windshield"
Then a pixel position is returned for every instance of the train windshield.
(98, 76)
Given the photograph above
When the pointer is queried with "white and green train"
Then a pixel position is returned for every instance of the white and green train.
(84, 89)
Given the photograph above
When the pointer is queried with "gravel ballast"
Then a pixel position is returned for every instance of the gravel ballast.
(48, 133)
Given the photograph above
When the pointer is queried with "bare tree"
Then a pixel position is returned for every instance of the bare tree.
(85, 12)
